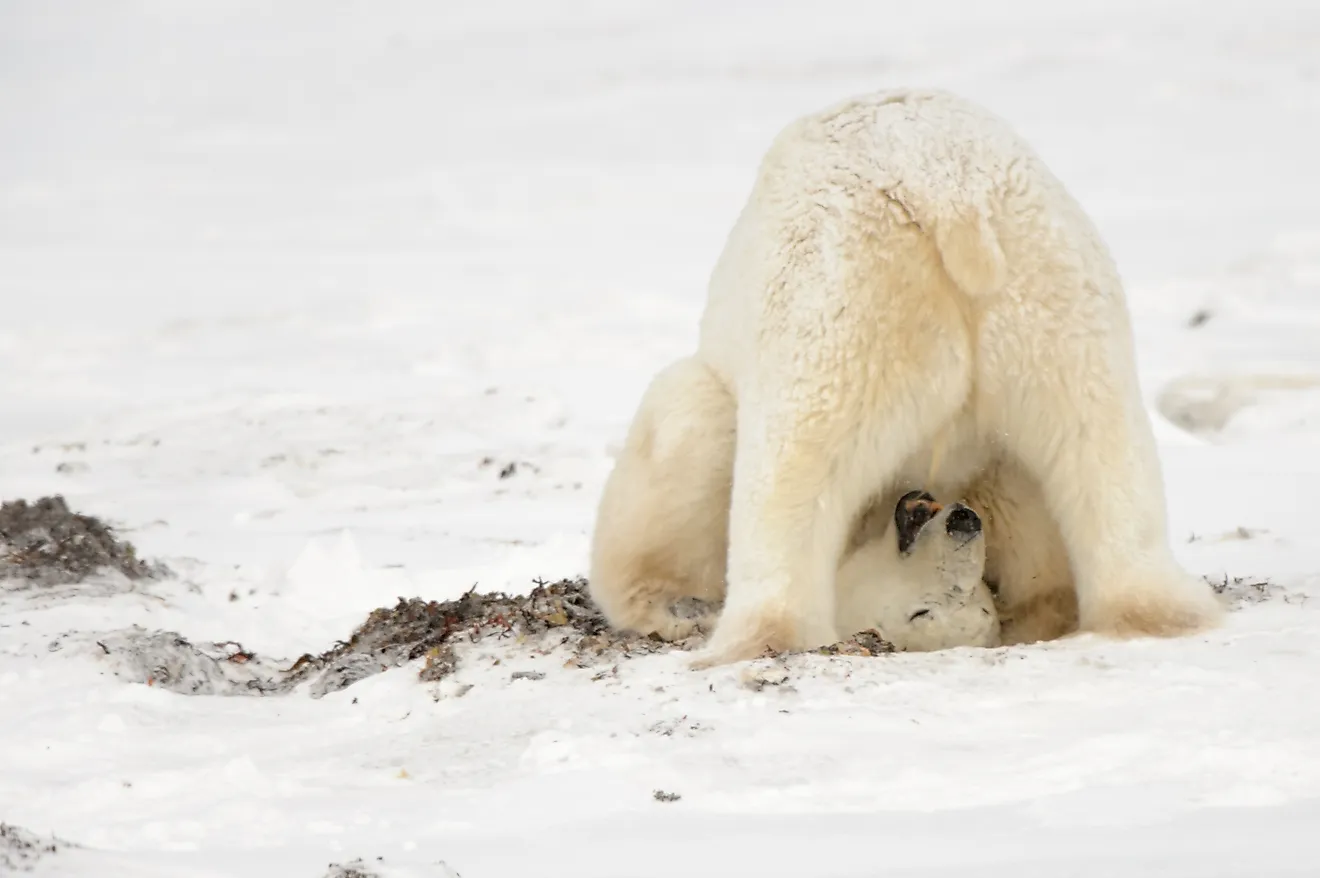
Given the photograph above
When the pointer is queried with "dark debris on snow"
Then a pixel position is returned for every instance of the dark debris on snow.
(355, 869)
(43, 542)
(21, 850)
(551, 616)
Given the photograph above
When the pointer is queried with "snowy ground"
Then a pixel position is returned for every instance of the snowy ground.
(285, 288)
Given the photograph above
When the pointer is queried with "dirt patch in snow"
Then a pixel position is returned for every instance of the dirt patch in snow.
(551, 617)
(170, 661)
(45, 543)
(355, 869)
(360, 868)
(1239, 591)
(21, 851)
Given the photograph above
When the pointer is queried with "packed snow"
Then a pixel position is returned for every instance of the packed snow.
(328, 304)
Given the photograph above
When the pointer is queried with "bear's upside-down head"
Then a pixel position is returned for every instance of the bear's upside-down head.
(921, 583)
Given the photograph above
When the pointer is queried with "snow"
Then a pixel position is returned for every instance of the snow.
(286, 286)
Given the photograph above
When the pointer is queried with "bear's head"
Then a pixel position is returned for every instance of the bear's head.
(921, 583)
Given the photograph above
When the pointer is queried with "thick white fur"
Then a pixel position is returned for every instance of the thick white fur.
(905, 275)
(931, 597)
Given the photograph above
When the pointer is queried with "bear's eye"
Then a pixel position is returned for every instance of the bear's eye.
(918, 614)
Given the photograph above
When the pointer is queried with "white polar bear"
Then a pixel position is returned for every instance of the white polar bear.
(909, 298)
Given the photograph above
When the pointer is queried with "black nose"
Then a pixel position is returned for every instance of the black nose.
(962, 521)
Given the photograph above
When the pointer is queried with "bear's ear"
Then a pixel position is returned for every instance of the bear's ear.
(914, 510)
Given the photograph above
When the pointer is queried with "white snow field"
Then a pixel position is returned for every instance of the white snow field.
(277, 278)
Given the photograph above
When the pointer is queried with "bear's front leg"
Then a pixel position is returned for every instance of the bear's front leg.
(787, 525)
(824, 422)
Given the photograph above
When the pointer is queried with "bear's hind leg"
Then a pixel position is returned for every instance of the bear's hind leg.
(661, 530)
(1080, 429)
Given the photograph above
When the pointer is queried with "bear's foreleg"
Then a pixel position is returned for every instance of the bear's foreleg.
(818, 435)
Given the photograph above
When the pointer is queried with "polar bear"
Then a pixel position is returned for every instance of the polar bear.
(920, 582)
(909, 298)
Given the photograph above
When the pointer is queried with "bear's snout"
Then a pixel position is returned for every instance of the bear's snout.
(962, 521)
